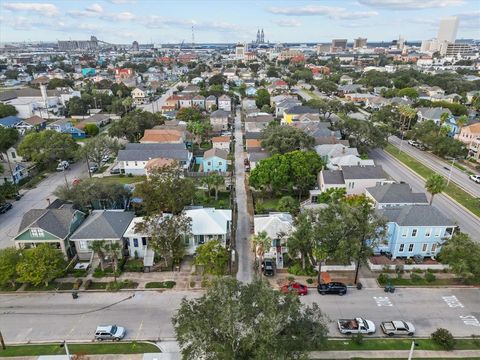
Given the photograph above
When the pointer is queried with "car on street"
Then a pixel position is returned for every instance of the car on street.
(94, 168)
(336, 288)
(356, 326)
(397, 327)
(63, 165)
(413, 143)
(475, 178)
(5, 207)
(115, 171)
(109, 332)
(294, 288)
(268, 267)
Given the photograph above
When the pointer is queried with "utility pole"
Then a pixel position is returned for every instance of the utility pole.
(2, 342)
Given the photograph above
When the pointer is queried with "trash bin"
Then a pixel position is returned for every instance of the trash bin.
(75, 295)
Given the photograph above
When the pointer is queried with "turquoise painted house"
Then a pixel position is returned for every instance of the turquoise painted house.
(215, 160)
(86, 72)
(415, 230)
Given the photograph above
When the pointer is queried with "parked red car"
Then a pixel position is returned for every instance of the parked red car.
(294, 288)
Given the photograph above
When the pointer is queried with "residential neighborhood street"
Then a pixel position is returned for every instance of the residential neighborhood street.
(147, 315)
(440, 166)
(468, 222)
(156, 106)
(244, 252)
(36, 198)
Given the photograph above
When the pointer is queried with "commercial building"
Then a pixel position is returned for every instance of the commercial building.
(359, 43)
(448, 29)
(338, 45)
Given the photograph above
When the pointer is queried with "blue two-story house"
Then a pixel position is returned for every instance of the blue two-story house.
(66, 127)
(415, 230)
(215, 160)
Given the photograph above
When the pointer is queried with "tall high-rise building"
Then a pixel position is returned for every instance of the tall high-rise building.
(448, 29)
(135, 46)
(262, 37)
(240, 51)
(338, 45)
(359, 43)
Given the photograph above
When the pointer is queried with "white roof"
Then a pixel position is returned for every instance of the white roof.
(350, 160)
(209, 221)
(273, 224)
(130, 232)
(335, 150)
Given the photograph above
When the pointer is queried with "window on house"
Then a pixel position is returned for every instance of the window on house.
(434, 247)
(13, 155)
(402, 246)
(135, 243)
(428, 232)
(83, 245)
(414, 232)
(449, 231)
(144, 241)
(209, 163)
(219, 163)
(424, 247)
(410, 247)
(136, 163)
(404, 232)
(36, 232)
(187, 241)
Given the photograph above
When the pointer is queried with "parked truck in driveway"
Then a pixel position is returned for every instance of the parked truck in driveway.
(397, 327)
(356, 326)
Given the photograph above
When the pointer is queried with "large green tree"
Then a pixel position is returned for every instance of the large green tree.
(98, 148)
(293, 171)
(8, 138)
(47, 147)
(363, 135)
(7, 110)
(461, 253)
(213, 256)
(9, 258)
(247, 321)
(262, 98)
(166, 236)
(281, 139)
(166, 190)
(133, 125)
(77, 106)
(40, 265)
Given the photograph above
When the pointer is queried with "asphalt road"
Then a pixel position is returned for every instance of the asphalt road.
(243, 247)
(147, 315)
(36, 199)
(468, 222)
(156, 106)
(440, 166)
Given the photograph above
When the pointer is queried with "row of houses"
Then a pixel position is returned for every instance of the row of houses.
(210, 103)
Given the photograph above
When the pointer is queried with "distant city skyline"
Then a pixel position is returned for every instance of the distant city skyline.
(147, 21)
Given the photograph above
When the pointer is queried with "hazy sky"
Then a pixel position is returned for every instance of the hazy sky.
(162, 21)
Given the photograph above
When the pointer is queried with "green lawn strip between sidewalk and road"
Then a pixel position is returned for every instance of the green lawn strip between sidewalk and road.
(452, 190)
(89, 349)
(398, 344)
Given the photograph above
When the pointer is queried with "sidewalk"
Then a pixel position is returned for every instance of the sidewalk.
(395, 354)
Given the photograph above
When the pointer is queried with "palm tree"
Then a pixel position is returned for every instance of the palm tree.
(443, 119)
(113, 249)
(461, 122)
(217, 181)
(406, 113)
(98, 248)
(435, 184)
(262, 242)
(208, 182)
(127, 103)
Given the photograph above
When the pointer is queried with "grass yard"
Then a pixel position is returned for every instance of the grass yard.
(398, 344)
(89, 349)
(421, 282)
(453, 190)
(223, 202)
(160, 285)
(122, 179)
(51, 286)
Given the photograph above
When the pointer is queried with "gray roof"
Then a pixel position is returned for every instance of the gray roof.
(257, 156)
(55, 221)
(300, 109)
(416, 215)
(144, 152)
(433, 113)
(219, 114)
(215, 152)
(253, 135)
(363, 172)
(333, 177)
(104, 224)
(396, 193)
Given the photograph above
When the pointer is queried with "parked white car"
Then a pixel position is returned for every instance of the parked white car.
(475, 178)
(63, 165)
(398, 327)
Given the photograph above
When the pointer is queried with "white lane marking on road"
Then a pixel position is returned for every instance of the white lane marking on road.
(382, 301)
(452, 301)
(470, 320)
(139, 330)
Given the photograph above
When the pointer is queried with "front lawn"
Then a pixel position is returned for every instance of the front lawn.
(452, 190)
(418, 281)
(160, 285)
(89, 349)
(121, 179)
(51, 286)
(223, 202)
(397, 344)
